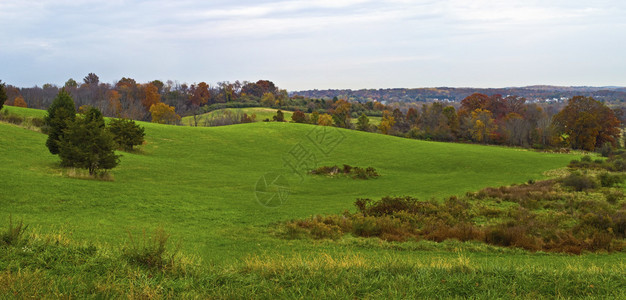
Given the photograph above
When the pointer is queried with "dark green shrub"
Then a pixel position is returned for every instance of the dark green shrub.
(37, 122)
(279, 117)
(619, 223)
(610, 180)
(613, 197)
(14, 119)
(389, 205)
(371, 172)
(585, 158)
(579, 182)
(126, 133)
(606, 150)
(619, 165)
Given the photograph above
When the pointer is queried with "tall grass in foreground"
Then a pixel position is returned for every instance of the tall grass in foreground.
(52, 266)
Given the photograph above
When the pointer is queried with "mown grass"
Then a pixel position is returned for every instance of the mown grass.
(199, 185)
(262, 113)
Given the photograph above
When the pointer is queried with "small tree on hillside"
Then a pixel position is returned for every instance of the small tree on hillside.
(279, 117)
(60, 113)
(325, 120)
(588, 123)
(126, 133)
(86, 144)
(363, 124)
(298, 117)
(3, 94)
(164, 114)
(20, 102)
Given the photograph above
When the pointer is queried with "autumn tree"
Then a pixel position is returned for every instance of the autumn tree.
(341, 113)
(199, 94)
(60, 113)
(3, 94)
(325, 120)
(483, 125)
(86, 144)
(401, 124)
(126, 133)
(298, 117)
(516, 129)
(19, 102)
(386, 123)
(115, 106)
(163, 114)
(151, 95)
(587, 123)
(412, 115)
(473, 102)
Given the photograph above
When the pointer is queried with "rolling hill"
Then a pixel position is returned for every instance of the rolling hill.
(202, 186)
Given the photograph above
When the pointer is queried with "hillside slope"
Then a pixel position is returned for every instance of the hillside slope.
(199, 183)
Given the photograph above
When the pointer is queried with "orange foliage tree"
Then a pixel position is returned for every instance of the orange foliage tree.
(587, 123)
(163, 114)
(151, 95)
(200, 94)
(19, 102)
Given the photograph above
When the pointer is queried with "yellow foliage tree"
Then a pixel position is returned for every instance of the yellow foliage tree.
(164, 114)
(483, 125)
(386, 123)
(325, 120)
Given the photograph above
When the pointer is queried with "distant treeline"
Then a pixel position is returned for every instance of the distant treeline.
(606, 94)
(584, 123)
(128, 98)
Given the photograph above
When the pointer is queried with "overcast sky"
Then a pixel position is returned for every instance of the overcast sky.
(317, 44)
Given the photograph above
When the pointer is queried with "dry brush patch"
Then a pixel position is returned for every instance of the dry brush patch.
(573, 214)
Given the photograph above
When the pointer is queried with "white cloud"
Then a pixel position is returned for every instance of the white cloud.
(250, 39)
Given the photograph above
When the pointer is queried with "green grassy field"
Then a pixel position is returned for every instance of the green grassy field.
(199, 185)
(262, 113)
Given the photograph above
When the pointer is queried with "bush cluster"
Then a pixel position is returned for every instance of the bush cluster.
(546, 217)
(354, 172)
(616, 162)
(22, 121)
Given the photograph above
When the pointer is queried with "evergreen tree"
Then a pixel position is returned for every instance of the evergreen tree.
(363, 123)
(86, 143)
(60, 113)
(126, 133)
(3, 95)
